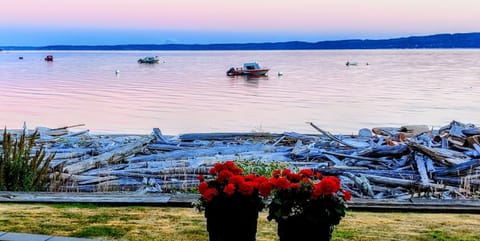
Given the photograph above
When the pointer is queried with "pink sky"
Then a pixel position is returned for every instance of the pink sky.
(332, 19)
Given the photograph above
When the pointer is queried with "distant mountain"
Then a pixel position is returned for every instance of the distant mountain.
(458, 40)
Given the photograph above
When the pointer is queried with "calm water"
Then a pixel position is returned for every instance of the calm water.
(189, 91)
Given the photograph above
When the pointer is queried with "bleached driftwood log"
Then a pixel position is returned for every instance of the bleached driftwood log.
(109, 157)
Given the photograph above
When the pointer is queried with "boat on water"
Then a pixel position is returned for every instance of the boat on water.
(252, 69)
(149, 60)
(49, 58)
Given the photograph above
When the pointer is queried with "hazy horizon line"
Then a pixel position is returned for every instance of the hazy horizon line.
(235, 43)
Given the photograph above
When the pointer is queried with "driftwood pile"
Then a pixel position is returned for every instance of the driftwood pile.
(396, 163)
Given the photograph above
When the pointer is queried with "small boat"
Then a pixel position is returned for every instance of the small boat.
(148, 60)
(49, 58)
(248, 69)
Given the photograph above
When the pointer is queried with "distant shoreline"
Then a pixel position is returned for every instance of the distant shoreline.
(437, 41)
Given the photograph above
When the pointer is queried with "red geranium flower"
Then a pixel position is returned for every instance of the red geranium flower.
(224, 175)
(215, 169)
(286, 172)
(250, 177)
(306, 173)
(265, 189)
(236, 180)
(209, 194)
(261, 179)
(282, 183)
(202, 187)
(293, 177)
(229, 165)
(246, 188)
(330, 185)
(229, 189)
(347, 195)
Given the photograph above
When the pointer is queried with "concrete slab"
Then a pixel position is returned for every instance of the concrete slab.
(24, 237)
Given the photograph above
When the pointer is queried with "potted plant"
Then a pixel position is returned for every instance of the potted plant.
(231, 201)
(306, 205)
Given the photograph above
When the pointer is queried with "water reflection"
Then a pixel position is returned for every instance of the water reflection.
(249, 80)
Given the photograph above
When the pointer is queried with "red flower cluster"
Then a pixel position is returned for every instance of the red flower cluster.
(322, 185)
(294, 193)
(228, 181)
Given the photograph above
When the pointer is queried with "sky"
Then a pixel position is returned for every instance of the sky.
(108, 22)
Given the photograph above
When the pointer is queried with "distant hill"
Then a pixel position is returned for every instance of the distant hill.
(458, 40)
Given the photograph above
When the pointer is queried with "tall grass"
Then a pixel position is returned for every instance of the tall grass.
(19, 170)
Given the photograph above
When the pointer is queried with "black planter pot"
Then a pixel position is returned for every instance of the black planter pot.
(232, 220)
(299, 228)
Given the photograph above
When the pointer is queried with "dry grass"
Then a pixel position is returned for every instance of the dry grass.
(409, 226)
(159, 224)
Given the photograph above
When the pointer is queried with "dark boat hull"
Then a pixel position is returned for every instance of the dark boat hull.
(256, 72)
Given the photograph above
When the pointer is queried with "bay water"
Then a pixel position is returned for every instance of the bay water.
(188, 91)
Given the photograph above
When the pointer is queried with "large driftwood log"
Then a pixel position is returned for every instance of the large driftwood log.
(104, 158)
(66, 127)
(422, 170)
(332, 137)
(98, 180)
(206, 152)
(71, 153)
(165, 147)
(458, 169)
(208, 160)
(355, 157)
(75, 178)
(57, 164)
(381, 151)
(413, 184)
(227, 136)
(471, 181)
(392, 181)
(442, 157)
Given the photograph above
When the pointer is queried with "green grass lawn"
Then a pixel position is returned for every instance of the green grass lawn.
(163, 223)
